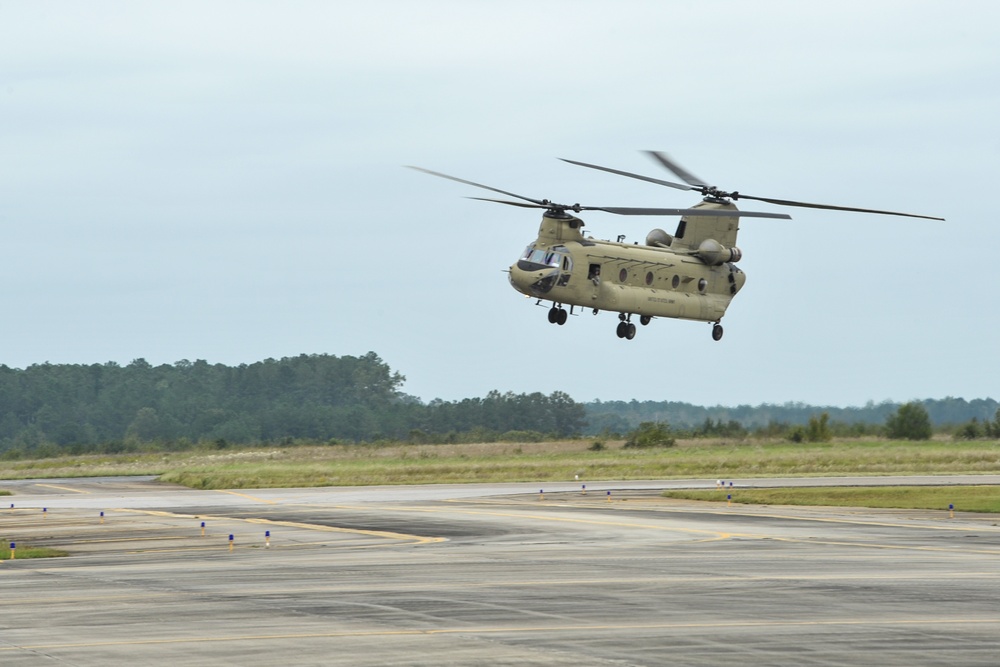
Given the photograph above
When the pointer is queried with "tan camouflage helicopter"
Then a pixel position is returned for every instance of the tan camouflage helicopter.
(690, 275)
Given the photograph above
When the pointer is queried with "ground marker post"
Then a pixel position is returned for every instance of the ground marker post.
(230, 542)
(951, 510)
(583, 491)
(541, 494)
(609, 496)
(267, 539)
(718, 483)
(729, 500)
(45, 512)
(102, 517)
(13, 549)
(12, 508)
(203, 529)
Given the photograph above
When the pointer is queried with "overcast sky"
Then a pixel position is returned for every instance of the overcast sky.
(224, 181)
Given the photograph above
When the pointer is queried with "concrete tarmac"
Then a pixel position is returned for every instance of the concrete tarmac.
(489, 575)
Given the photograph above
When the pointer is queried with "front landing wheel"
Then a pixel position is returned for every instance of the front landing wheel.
(717, 332)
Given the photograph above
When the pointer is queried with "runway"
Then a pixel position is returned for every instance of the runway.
(489, 575)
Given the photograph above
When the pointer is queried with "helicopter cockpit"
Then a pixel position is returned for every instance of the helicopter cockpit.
(541, 268)
(539, 259)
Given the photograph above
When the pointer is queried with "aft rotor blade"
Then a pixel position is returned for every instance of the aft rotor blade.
(830, 207)
(638, 210)
(479, 185)
(630, 175)
(680, 171)
(698, 212)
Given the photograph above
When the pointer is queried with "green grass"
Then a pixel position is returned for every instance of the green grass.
(352, 465)
(964, 498)
(30, 552)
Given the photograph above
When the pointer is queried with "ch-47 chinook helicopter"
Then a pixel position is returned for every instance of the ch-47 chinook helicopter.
(690, 275)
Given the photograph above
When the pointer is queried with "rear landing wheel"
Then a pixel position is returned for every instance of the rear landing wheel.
(622, 328)
(629, 330)
(717, 332)
(561, 317)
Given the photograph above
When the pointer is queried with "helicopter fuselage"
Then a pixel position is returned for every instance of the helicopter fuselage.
(567, 268)
(691, 275)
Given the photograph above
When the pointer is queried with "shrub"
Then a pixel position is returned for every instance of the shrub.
(909, 422)
(650, 434)
(819, 429)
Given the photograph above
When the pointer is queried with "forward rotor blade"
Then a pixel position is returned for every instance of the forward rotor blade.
(680, 171)
(509, 203)
(830, 207)
(478, 185)
(630, 175)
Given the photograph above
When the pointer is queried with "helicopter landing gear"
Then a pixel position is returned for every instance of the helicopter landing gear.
(717, 332)
(625, 328)
(557, 316)
(645, 319)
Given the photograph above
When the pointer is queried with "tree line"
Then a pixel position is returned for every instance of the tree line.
(947, 414)
(47, 409)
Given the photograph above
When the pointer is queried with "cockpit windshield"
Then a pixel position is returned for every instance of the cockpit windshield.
(543, 256)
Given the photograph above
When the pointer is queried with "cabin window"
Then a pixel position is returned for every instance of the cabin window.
(622, 276)
(702, 284)
(649, 277)
(676, 282)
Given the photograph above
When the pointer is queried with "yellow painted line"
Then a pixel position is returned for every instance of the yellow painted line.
(621, 506)
(133, 539)
(248, 497)
(62, 488)
(514, 629)
(722, 535)
(415, 539)
(891, 547)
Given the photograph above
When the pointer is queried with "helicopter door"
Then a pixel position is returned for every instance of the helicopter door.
(566, 269)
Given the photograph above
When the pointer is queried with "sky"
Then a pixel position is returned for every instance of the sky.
(224, 181)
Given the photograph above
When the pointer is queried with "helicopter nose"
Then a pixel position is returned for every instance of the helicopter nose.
(533, 282)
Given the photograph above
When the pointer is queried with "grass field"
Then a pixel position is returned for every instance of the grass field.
(352, 465)
(964, 498)
(29, 552)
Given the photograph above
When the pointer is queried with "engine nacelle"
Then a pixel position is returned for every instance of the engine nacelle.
(714, 253)
(659, 239)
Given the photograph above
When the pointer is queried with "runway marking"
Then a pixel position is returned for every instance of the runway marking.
(414, 539)
(621, 506)
(519, 629)
(249, 497)
(896, 547)
(723, 535)
(62, 488)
